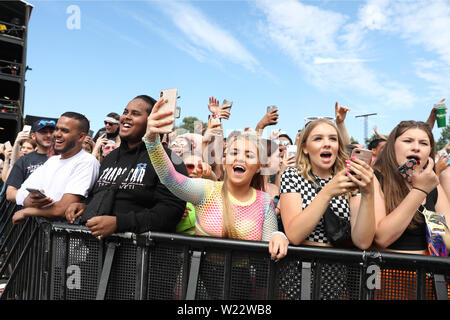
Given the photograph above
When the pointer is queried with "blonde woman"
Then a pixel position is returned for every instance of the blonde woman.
(234, 208)
(323, 177)
(322, 164)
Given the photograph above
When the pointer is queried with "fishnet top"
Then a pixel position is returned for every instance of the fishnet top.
(254, 219)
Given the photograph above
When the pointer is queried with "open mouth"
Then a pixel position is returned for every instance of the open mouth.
(239, 170)
(414, 157)
(326, 155)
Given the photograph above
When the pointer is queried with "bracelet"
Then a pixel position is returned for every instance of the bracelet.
(279, 232)
(420, 190)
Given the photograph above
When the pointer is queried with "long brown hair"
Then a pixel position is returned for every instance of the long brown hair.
(303, 163)
(394, 186)
(228, 227)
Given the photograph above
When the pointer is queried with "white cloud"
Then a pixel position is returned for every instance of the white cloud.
(424, 25)
(320, 60)
(325, 46)
(205, 37)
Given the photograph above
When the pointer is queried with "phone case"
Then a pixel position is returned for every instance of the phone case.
(171, 96)
(227, 103)
(270, 108)
(362, 154)
(291, 150)
(407, 169)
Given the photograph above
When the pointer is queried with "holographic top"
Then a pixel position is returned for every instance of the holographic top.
(255, 219)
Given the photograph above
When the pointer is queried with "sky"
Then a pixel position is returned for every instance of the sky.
(386, 57)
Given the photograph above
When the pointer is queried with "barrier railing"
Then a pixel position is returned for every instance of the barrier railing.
(46, 260)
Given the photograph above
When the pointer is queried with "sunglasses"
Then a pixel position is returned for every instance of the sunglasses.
(284, 142)
(109, 123)
(309, 119)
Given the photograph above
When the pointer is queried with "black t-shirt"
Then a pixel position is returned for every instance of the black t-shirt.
(129, 188)
(24, 167)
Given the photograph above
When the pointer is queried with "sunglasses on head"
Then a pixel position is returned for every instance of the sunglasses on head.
(46, 123)
(309, 119)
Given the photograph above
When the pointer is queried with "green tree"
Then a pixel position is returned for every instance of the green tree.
(189, 124)
(444, 139)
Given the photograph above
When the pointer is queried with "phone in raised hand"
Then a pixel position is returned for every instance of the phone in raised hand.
(291, 150)
(171, 95)
(27, 128)
(406, 169)
(227, 104)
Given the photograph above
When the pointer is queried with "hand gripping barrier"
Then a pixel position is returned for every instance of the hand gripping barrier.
(43, 260)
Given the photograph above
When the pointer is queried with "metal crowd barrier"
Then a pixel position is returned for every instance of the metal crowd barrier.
(43, 260)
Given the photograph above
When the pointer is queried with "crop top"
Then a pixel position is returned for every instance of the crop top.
(413, 238)
(255, 219)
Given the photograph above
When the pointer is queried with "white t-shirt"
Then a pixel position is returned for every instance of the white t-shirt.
(75, 175)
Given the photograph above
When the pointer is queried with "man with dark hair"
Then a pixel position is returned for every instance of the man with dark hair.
(376, 145)
(128, 195)
(41, 133)
(111, 128)
(63, 179)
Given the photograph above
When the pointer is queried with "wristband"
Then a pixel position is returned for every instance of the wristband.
(420, 190)
(279, 232)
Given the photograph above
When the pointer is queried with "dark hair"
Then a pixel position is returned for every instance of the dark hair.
(114, 115)
(374, 143)
(147, 99)
(286, 136)
(392, 183)
(84, 122)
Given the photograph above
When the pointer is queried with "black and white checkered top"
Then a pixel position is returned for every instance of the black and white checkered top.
(291, 181)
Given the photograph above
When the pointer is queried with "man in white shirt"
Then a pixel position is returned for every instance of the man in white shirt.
(65, 178)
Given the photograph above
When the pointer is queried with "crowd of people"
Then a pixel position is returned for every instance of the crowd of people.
(136, 175)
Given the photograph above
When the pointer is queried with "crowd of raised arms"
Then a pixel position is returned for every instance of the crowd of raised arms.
(140, 173)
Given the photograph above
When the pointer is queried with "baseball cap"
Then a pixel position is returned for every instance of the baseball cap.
(41, 124)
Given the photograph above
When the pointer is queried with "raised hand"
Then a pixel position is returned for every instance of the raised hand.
(340, 113)
(157, 120)
(425, 179)
(269, 119)
(213, 105)
(442, 164)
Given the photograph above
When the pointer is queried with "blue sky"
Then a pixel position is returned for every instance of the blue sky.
(386, 57)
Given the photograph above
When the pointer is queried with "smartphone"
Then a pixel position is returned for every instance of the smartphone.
(36, 191)
(90, 133)
(26, 128)
(270, 108)
(171, 95)
(7, 145)
(215, 119)
(406, 169)
(362, 154)
(291, 150)
(227, 104)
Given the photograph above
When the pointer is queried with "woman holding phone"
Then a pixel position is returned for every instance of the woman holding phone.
(405, 182)
(324, 180)
(400, 226)
(323, 175)
(234, 208)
